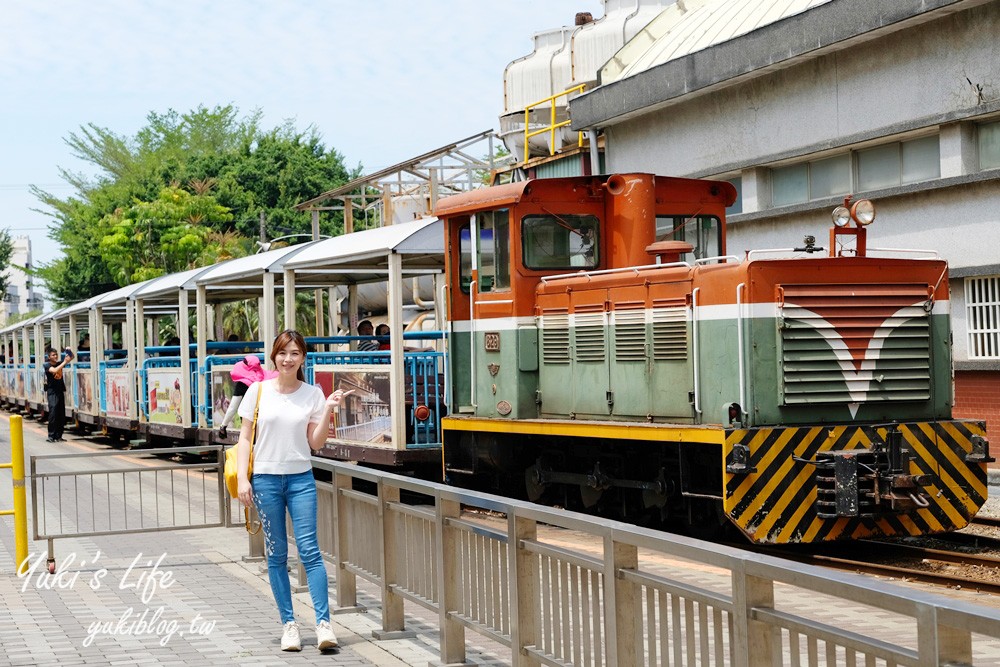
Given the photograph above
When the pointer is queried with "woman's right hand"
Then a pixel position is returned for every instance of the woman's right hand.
(245, 492)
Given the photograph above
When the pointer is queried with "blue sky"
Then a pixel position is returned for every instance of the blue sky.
(382, 80)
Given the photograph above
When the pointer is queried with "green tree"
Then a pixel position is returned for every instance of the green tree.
(6, 250)
(151, 239)
(226, 163)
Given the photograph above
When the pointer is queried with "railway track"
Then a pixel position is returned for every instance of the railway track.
(986, 521)
(937, 566)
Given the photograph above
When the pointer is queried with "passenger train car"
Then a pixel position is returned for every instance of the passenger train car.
(607, 353)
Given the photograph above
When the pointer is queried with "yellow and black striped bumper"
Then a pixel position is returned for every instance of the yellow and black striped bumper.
(775, 500)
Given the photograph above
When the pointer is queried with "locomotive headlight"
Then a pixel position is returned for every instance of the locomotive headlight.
(841, 216)
(863, 212)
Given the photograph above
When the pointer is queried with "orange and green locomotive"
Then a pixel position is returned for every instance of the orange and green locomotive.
(607, 354)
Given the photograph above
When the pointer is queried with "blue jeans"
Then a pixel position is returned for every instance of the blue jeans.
(272, 494)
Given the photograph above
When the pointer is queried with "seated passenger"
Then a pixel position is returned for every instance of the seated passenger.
(383, 332)
(365, 329)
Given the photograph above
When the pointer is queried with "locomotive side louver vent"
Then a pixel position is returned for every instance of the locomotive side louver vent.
(630, 335)
(855, 343)
(555, 338)
(670, 334)
(589, 331)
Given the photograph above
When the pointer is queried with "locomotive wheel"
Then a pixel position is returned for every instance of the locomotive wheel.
(533, 485)
(589, 495)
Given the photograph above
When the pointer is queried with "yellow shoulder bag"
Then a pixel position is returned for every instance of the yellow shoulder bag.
(231, 470)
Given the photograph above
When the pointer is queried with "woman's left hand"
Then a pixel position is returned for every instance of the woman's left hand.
(337, 397)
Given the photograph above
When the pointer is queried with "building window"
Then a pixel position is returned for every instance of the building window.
(989, 146)
(885, 166)
(818, 179)
(899, 163)
(982, 303)
(737, 206)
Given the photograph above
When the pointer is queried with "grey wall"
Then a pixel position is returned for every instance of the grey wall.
(888, 88)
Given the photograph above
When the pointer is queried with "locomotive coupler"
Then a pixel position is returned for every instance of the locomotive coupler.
(869, 482)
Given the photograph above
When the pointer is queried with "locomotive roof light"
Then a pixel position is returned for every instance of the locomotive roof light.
(841, 216)
(863, 212)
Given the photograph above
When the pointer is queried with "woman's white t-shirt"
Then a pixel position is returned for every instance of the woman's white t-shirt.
(281, 446)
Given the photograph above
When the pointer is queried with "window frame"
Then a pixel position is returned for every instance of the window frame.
(527, 221)
(854, 177)
(982, 317)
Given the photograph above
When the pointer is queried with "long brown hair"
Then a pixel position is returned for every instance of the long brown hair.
(286, 337)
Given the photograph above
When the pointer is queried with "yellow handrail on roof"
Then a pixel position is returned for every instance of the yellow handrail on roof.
(553, 126)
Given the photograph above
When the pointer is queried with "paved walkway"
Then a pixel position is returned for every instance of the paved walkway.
(118, 603)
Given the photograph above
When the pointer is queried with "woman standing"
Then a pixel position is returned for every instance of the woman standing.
(293, 418)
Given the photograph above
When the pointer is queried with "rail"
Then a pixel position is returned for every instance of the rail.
(88, 494)
(553, 125)
(505, 574)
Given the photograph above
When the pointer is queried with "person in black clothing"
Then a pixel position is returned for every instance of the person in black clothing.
(55, 393)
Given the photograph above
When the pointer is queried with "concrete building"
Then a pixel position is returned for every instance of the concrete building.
(801, 102)
(21, 295)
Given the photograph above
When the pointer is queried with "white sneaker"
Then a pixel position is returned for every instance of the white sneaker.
(325, 639)
(290, 639)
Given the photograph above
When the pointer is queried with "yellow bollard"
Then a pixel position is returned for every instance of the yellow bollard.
(20, 494)
(20, 510)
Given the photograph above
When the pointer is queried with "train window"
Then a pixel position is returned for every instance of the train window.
(560, 241)
(494, 250)
(701, 231)
(465, 257)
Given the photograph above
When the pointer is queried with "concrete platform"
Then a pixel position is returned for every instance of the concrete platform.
(202, 604)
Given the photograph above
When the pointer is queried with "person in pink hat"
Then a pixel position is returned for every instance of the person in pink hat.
(244, 374)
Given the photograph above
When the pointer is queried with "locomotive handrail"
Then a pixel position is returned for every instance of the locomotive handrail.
(761, 251)
(741, 351)
(933, 253)
(706, 260)
(635, 269)
(694, 351)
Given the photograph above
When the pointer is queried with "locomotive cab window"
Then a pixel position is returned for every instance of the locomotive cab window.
(560, 241)
(493, 252)
(701, 231)
(465, 257)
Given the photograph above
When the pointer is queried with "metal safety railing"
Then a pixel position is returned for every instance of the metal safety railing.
(506, 572)
(80, 497)
(553, 125)
(20, 510)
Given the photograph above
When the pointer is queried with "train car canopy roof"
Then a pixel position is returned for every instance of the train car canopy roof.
(363, 256)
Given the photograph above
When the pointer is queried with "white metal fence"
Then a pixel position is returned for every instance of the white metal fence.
(507, 572)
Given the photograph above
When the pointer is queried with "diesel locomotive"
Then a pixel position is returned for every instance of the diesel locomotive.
(606, 353)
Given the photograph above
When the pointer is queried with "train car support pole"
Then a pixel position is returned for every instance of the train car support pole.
(20, 511)
(595, 155)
